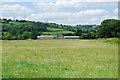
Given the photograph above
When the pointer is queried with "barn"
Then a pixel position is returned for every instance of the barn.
(47, 37)
(71, 37)
(60, 36)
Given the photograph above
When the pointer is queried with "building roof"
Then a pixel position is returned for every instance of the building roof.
(48, 36)
(72, 36)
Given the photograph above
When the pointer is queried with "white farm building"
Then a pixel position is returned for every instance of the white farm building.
(71, 37)
(57, 37)
(47, 37)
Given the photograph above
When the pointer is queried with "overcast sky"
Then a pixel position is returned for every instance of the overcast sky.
(70, 12)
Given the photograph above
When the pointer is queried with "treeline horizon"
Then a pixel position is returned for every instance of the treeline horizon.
(23, 29)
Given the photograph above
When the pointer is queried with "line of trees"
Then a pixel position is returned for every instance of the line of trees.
(21, 29)
(109, 28)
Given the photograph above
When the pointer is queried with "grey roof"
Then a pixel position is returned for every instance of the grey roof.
(71, 36)
(48, 36)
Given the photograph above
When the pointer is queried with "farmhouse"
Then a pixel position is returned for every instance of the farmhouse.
(57, 37)
(71, 37)
(47, 37)
(60, 36)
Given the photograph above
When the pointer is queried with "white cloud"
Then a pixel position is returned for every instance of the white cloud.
(115, 11)
(12, 18)
(59, 5)
(63, 0)
(64, 11)
(93, 12)
(15, 9)
(63, 5)
(71, 18)
(101, 0)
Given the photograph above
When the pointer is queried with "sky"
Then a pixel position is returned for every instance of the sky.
(68, 12)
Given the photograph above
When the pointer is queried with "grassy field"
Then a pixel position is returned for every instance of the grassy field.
(57, 32)
(54, 29)
(0, 59)
(59, 59)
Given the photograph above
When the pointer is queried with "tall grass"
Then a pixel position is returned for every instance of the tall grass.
(59, 59)
(113, 40)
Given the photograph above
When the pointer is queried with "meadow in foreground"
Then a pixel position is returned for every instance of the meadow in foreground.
(59, 59)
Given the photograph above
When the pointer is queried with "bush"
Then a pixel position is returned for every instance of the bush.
(113, 40)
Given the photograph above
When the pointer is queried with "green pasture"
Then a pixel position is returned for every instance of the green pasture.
(58, 32)
(59, 59)
(0, 59)
(54, 29)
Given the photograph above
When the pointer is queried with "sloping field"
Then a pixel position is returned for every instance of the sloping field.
(59, 59)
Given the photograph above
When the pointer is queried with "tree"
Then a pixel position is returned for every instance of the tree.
(20, 37)
(8, 36)
(26, 35)
(34, 34)
(78, 32)
(109, 28)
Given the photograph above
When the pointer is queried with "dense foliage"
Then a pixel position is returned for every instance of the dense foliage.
(22, 29)
(113, 40)
(109, 28)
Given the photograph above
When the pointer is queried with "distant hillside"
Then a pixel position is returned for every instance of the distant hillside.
(22, 29)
